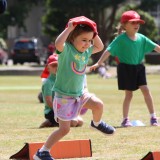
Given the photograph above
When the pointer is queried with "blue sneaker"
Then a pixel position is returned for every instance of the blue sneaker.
(42, 156)
(103, 127)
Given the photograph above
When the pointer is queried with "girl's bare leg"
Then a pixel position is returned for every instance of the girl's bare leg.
(148, 98)
(64, 128)
(126, 103)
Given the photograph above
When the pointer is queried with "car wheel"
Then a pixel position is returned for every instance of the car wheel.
(14, 62)
(38, 61)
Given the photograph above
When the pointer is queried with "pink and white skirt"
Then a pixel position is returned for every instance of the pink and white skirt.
(67, 108)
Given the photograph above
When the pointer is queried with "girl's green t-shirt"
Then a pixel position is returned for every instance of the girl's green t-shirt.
(71, 70)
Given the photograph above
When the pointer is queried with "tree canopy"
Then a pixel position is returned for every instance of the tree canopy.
(106, 13)
(16, 13)
(59, 12)
(103, 12)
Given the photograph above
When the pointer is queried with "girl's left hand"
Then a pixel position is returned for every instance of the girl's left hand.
(93, 67)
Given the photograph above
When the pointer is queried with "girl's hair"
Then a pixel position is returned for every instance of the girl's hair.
(120, 29)
(79, 29)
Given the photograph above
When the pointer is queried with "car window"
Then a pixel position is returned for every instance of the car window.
(24, 45)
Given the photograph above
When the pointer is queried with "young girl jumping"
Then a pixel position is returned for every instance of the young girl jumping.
(75, 45)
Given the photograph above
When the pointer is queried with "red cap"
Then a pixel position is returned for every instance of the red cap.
(131, 16)
(45, 73)
(52, 59)
(84, 20)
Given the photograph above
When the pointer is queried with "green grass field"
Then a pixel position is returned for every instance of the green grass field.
(21, 114)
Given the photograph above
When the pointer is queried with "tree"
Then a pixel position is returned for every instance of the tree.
(103, 12)
(60, 11)
(148, 5)
(17, 12)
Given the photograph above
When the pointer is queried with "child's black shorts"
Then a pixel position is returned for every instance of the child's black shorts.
(50, 117)
(130, 77)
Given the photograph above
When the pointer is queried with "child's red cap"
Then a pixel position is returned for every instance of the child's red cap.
(84, 20)
(131, 16)
(52, 59)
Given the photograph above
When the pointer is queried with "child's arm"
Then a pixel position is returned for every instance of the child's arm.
(97, 44)
(104, 56)
(157, 49)
(61, 39)
(49, 101)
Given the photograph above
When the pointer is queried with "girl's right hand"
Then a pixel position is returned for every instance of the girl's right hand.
(93, 67)
(71, 25)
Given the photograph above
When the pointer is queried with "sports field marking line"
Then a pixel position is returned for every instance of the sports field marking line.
(20, 87)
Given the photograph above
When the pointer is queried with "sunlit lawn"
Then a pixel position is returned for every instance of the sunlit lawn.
(21, 113)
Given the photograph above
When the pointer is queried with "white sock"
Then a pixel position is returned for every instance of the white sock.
(44, 149)
(153, 115)
(96, 123)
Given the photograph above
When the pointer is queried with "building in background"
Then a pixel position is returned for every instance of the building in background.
(33, 27)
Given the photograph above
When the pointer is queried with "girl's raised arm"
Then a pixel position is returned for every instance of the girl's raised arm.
(61, 39)
(97, 44)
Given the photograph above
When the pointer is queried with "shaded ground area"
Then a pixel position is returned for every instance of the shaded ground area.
(21, 70)
(150, 69)
(36, 70)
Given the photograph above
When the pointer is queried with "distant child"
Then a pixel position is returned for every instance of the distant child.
(102, 70)
(44, 75)
(51, 49)
(75, 45)
(130, 47)
(48, 95)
